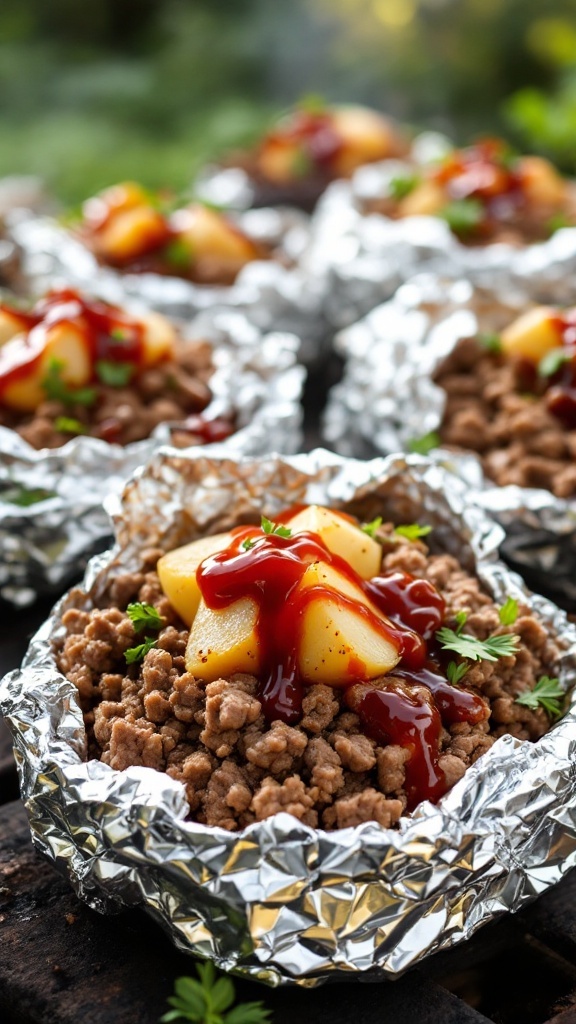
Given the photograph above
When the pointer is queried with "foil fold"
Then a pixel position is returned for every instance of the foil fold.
(387, 398)
(365, 257)
(282, 902)
(273, 294)
(46, 543)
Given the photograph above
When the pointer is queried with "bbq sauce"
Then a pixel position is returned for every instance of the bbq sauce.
(410, 708)
(109, 334)
(315, 135)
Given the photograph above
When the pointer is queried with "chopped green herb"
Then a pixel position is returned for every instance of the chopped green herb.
(371, 528)
(207, 1000)
(491, 342)
(25, 496)
(248, 544)
(115, 375)
(313, 103)
(460, 621)
(423, 445)
(400, 187)
(138, 653)
(547, 694)
(56, 389)
(557, 222)
(271, 528)
(471, 647)
(179, 253)
(454, 672)
(552, 362)
(412, 531)
(144, 616)
(119, 334)
(508, 613)
(463, 215)
(68, 425)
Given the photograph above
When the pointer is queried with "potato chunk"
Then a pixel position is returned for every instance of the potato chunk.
(224, 640)
(341, 537)
(159, 338)
(177, 572)
(532, 335)
(65, 344)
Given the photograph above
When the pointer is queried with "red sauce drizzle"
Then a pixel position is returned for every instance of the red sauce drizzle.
(109, 334)
(482, 172)
(315, 135)
(411, 709)
(561, 386)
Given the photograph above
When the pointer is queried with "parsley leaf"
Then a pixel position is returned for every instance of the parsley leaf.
(144, 616)
(491, 342)
(271, 528)
(402, 186)
(313, 103)
(423, 445)
(139, 653)
(115, 375)
(371, 528)
(120, 335)
(412, 531)
(55, 388)
(463, 215)
(208, 997)
(248, 544)
(460, 621)
(508, 613)
(68, 425)
(25, 496)
(301, 164)
(471, 647)
(557, 222)
(179, 253)
(454, 672)
(547, 694)
(552, 362)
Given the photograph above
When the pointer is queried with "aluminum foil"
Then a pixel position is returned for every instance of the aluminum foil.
(45, 545)
(274, 295)
(282, 902)
(387, 398)
(365, 258)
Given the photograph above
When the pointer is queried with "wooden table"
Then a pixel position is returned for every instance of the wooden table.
(61, 963)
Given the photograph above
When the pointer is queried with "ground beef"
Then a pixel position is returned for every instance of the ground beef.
(169, 392)
(493, 409)
(238, 768)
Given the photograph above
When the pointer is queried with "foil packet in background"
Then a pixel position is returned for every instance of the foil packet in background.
(282, 902)
(387, 398)
(367, 256)
(274, 294)
(51, 501)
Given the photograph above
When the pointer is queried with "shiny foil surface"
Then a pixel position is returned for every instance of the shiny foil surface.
(387, 398)
(45, 545)
(366, 257)
(280, 901)
(274, 294)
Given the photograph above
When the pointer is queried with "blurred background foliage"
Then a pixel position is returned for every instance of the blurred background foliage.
(93, 92)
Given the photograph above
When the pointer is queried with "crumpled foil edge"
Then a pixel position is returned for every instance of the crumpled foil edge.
(42, 546)
(282, 902)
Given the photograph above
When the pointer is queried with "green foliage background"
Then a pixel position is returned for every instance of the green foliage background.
(93, 91)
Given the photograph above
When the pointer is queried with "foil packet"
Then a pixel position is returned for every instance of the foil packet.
(365, 257)
(274, 294)
(282, 902)
(51, 501)
(387, 399)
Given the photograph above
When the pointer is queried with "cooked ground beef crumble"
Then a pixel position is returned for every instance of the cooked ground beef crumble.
(491, 411)
(213, 737)
(168, 392)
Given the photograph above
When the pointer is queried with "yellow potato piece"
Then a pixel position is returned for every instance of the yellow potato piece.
(224, 641)
(337, 644)
(208, 234)
(177, 572)
(425, 200)
(541, 181)
(367, 136)
(341, 537)
(278, 160)
(159, 338)
(65, 343)
(10, 325)
(532, 335)
(130, 233)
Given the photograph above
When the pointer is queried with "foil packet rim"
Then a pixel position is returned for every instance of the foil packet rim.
(125, 835)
